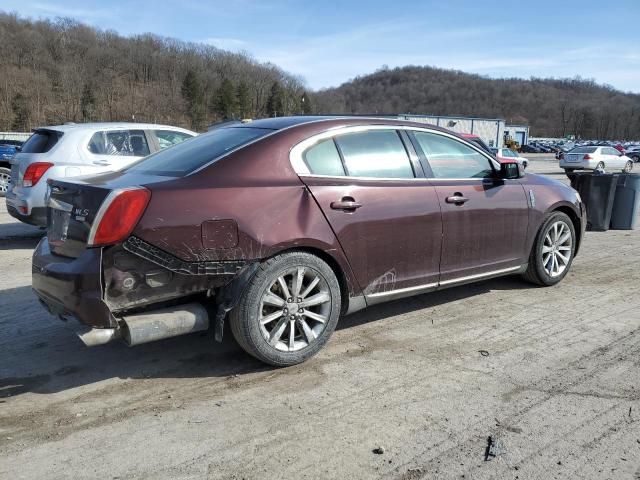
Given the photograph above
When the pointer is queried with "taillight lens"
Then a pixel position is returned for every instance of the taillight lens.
(118, 215)
(34, 173)
(587, 157)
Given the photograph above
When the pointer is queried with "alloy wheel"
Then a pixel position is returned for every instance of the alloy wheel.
(628, 166)
(557, 249)
(295, 309)
(4, 181)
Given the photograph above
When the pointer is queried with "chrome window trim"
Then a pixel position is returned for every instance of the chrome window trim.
(296, 155)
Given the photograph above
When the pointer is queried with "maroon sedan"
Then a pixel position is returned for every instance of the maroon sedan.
(286, 224)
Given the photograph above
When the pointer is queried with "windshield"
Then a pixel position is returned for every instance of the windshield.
(184, 158)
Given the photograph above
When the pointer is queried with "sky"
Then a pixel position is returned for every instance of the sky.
(329, 42)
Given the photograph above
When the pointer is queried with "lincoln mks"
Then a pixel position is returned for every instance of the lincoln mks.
(280, 226)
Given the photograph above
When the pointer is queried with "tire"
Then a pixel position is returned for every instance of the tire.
(628, 167)
(264, 298)
(539, 273)
(636, 158)
(569, 170)
(5, 176)
(600, 166)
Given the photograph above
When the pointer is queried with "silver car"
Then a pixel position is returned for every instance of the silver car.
(596, 158)
(78, 149)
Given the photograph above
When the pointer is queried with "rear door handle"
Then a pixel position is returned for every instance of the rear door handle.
(346, 204)
(457, 199)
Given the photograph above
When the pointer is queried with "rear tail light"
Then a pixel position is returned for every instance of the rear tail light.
(587, 157)
(118, 215)
(34, 173)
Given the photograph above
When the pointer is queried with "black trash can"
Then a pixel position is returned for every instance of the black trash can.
(626, 204)
(598, 192)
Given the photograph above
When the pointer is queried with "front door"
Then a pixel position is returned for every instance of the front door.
(484, 219)
(383, 211)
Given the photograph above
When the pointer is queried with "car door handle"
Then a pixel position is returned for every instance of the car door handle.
(101, 162)
(457, 199)
(346, 204)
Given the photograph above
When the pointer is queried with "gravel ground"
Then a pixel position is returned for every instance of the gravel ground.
(550, 375)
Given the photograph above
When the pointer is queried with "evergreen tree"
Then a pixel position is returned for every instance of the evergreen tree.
(275, 103)
(244, 100)
(225, 100)
(21, 113)
(192, 93)
(307, 107)
(88, 103)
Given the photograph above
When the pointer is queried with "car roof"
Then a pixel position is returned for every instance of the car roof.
(335, 121)
(108, 125)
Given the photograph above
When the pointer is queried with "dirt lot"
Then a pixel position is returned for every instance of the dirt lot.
(551, 375)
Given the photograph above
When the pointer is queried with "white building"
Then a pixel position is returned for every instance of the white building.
(491, 130)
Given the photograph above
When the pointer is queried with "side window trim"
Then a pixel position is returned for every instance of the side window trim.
(341, 155)
(414, 157)
(152, 140)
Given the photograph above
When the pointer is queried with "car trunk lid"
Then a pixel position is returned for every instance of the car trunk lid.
(73, 206)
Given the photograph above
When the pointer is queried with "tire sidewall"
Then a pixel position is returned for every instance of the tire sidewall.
(542, 274)
(248, 311)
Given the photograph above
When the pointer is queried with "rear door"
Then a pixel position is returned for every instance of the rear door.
(484, 219)
(383, 211)
(109, 150)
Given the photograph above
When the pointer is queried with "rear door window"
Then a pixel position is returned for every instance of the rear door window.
(41, 141)
(375, 153)
(449, 158)
(127, 143)
(323, 159)
(168, 138)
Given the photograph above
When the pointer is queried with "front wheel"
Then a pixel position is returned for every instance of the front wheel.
(552, 253)
(289, 309)
(5, 177)
(628, 167)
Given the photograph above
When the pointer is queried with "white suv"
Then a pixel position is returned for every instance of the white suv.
(78, 149)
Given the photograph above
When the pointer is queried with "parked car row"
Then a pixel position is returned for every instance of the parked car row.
(288, 223)
(8, 148)
(72, 150)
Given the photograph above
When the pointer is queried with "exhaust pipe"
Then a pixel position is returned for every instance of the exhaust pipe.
(164, 323)
(98, 336)
(151, 326)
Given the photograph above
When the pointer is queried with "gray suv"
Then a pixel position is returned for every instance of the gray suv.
(78, 149)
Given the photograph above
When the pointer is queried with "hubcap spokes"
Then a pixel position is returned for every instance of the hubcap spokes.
(295, 309)
(556, 249)
(4, 182)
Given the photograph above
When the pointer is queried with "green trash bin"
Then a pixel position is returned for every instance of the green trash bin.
(626, 204)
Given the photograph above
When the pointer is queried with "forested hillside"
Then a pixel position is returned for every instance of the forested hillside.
(551, 107)
(54, 72)
(59, 71)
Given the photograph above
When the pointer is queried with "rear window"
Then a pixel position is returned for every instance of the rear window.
(584, 150)
(196, 152)
(41, 141)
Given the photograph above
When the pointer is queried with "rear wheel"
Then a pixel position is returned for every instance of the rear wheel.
(289, 309)
(628, 167)
(5, 176)
(552, 253)
(600, 166)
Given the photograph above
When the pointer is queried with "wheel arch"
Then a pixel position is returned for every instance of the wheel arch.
(575, 219)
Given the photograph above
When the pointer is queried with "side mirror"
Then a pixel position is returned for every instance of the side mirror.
(511, 170)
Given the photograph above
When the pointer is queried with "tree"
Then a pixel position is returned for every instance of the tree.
(194, 98)
(243, 98)
(225, 100)
(21, 113)
(307, 107)
(88, 104)
(275, 102)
